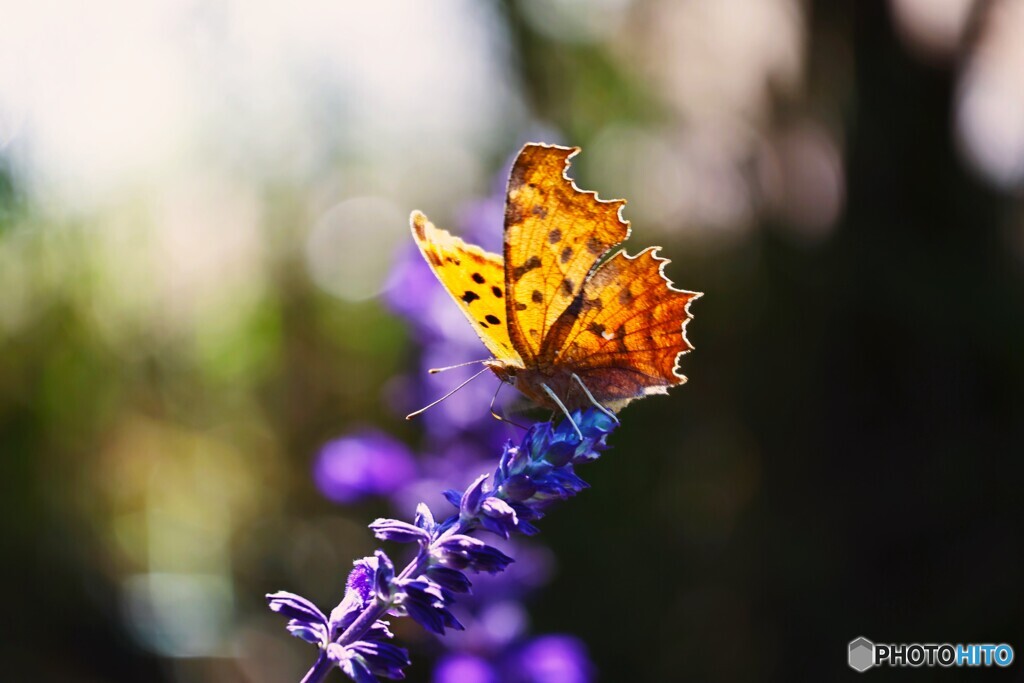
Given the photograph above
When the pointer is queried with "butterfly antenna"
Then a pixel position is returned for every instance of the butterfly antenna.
(561, 405)
(434, 371)
(495, 414)
(434, 403)
(594, 400)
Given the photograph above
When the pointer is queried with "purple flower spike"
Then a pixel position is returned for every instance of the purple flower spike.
(527, 480)
(364, 464)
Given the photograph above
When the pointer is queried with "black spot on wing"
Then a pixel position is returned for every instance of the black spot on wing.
(576, 306)
(531, 263)
(566, 254)
(478, 278)
(555, 236)
(513, 214)
(493, 319)
(469, 297)
(496, 291)
(567, 286)
(536, 297)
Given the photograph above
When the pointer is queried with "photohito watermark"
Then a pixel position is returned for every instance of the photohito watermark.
(863, 654)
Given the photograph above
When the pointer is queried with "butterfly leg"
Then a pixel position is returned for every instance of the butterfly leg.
(495, 414)
(594, 400)
(561, 405)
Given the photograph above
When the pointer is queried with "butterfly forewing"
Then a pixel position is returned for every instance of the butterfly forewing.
(474, 278)
(554, 234)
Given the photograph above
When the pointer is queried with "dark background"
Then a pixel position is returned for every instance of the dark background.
(844, 460)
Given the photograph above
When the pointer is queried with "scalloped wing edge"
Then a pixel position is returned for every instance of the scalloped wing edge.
(662, 262)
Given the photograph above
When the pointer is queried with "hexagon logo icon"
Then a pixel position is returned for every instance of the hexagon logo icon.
(861, 654)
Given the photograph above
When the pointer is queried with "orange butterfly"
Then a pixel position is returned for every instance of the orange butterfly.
(565, 328)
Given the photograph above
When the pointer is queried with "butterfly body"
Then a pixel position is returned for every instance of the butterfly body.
(531, 382)
(560, 316)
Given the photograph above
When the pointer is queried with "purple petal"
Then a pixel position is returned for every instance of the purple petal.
(499, 509)
(453, 496)
(424, 518)
(451, 579)
(462, 552)
(383, 659)
(470, 502)
(399, 531)
(425, 605)
(346, 611)
(357, 670)
(495, 526)
(360, 579)
(295, 607)
(309, 632)
(383, 578)
(519, 487)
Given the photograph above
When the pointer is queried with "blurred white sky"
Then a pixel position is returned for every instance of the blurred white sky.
(159, 126)
(98, 96)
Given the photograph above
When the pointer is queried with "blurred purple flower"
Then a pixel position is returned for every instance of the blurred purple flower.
(551, 659)
(546, 659)
(482, 221)
(367, 463)
(463, 668)
(411, 288)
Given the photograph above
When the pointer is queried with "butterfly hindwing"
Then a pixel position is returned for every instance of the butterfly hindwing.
(554, 234)
(626, 331)
(474, 278)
